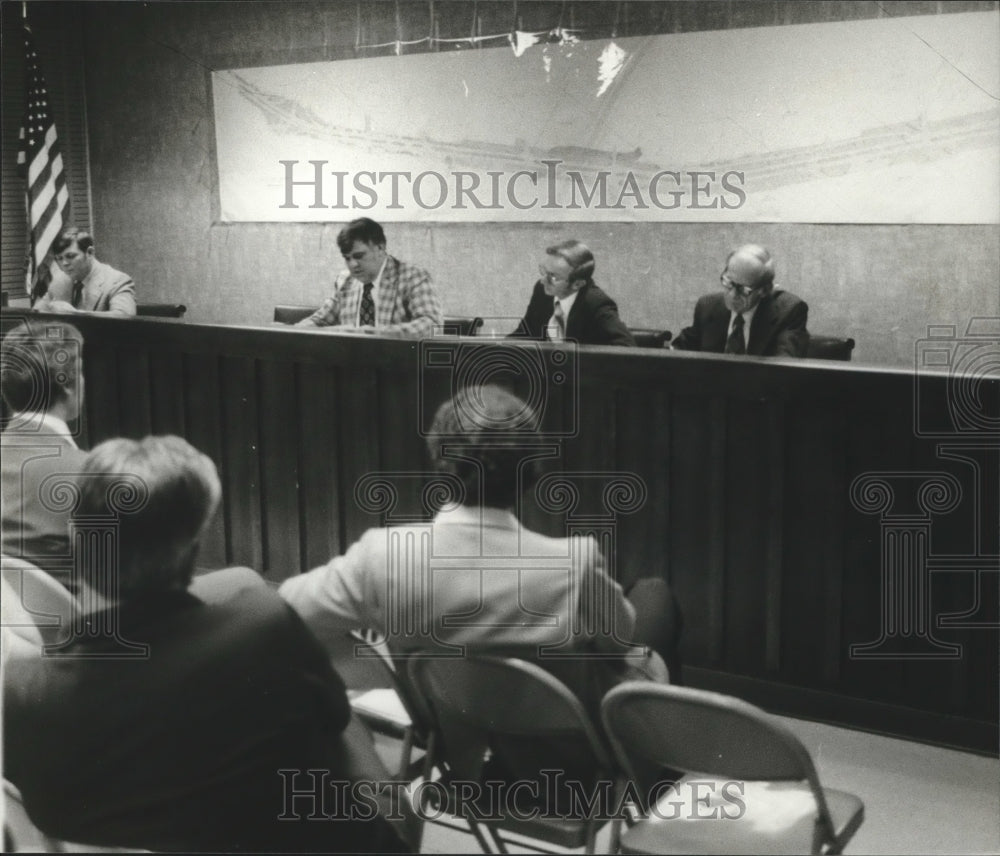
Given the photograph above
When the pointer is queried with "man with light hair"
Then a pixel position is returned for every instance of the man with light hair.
(566, 303)
(751, 315)
(482, 438)
(170, 723)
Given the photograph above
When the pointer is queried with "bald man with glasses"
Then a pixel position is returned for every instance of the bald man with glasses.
(750, 315)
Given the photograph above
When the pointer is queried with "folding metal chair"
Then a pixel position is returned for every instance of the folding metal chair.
(507, 721)
(767, 796)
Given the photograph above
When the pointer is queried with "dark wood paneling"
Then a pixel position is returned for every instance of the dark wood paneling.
(134, 393)
(319, 457)
(166, 388)
(359, 420)
(203, 429)
(747, 466)
(279, 468)
(241, 462)
(102, 389)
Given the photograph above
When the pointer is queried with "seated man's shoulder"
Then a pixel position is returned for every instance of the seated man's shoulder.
(596, 295)
(711, 301)
(112, 274)
(223, 585)
(785, 299)
(537, 544)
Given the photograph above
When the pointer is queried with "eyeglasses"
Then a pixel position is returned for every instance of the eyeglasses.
(550, 277)
(741, 290)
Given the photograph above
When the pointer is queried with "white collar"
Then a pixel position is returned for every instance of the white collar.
(53, 424)
(477, 515)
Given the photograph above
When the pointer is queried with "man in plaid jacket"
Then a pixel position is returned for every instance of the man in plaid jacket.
(378, 293)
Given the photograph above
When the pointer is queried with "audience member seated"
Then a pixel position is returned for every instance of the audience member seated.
(91, 286)
(513, 592)
(174, 724)
(567, 304)
(377, 292)
(749, 304)
(41, 368)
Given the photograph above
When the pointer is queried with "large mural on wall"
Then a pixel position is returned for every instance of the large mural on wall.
(890, 120)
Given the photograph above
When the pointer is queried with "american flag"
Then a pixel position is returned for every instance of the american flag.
(40, 161)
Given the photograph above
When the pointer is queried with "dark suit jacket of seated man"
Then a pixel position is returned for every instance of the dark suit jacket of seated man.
(777, 318)
(377, 293)
(566, 277)
(177, 724)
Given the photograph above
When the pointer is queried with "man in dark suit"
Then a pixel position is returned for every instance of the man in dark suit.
(41, 367)
(750, 316)
(566, 304)
(172, 723)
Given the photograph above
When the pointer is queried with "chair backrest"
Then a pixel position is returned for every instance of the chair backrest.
(462, 326)
(19, 833)
(394, 668)
(704, 732)
(38, 602)
(292, 314)
(829, 348)
(161, 310)
(495, 697)
(647, 338)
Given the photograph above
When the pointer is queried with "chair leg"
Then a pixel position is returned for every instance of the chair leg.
(484, 843)
(616, 835)
(406, 752)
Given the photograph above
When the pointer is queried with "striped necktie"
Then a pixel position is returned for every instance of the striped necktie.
(366, 317)
(77, 293)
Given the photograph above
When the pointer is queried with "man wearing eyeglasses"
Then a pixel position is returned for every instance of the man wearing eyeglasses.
(750, 316)
(567, 304)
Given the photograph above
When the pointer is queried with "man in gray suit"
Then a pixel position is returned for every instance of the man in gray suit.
(91, 285)
(41, 365)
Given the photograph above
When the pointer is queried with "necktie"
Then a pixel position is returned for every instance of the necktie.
(736, 343)
(559, 317)
(366, 318)
(77, 293)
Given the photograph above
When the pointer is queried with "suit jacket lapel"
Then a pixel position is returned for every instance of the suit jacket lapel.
(577, 317)
(760, 329)
(388, 292)
(350, 301)
(717, 328)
